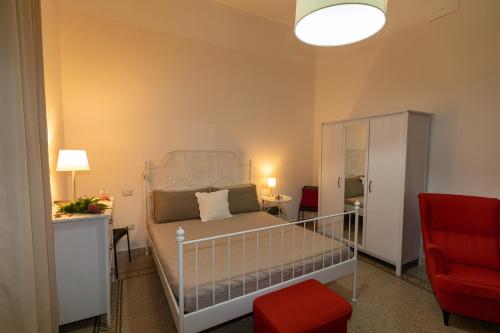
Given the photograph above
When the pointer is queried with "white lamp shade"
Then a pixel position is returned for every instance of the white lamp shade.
(271, 182)
(338, 22)
(72, 160)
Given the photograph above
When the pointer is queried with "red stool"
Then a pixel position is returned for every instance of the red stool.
(305, 307)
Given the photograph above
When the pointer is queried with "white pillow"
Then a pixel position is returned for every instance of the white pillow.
(213, 205)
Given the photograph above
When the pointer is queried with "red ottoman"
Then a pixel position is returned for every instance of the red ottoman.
(305, 307)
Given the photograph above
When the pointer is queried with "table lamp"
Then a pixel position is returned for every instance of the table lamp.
(271, 183)
(72, 160)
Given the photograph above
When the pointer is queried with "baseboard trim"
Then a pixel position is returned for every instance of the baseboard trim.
(123, 255)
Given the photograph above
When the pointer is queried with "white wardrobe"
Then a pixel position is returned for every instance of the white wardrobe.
(382, 162)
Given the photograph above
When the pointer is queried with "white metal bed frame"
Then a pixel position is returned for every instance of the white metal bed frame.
(198, 169)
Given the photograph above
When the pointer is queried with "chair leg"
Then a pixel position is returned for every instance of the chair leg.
(446, 317)
(116, 262)
(128, 244)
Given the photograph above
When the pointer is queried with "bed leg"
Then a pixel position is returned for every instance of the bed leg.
(355, 273)
(147, 246)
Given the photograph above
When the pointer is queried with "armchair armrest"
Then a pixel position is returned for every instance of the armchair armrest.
(436, 259)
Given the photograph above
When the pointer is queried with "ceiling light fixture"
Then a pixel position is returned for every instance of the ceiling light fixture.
(338, 22)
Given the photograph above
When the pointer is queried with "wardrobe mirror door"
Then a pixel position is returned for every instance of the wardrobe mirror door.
(356, 146)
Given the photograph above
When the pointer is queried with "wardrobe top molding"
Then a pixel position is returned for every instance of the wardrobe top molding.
(375, 116)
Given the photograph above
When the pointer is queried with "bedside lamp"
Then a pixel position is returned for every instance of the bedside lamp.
(72, 160)
(271, 183)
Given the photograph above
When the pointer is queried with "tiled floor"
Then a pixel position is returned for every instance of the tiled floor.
(419, 272)
(385, 304)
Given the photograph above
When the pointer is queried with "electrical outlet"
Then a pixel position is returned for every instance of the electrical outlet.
(131, 227)
(127, 193)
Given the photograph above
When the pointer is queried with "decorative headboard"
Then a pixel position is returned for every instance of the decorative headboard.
(183, 170)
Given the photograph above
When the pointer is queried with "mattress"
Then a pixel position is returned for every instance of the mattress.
(300, 251)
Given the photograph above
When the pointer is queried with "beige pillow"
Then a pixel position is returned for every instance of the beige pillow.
(176, 205)
(242, 198)
(213, 206)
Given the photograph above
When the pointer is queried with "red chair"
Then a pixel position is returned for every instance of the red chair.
(461, 236)
(309, 200)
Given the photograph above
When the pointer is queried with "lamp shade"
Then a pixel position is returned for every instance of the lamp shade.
(338, 22)
(271, 182)
(72, 160)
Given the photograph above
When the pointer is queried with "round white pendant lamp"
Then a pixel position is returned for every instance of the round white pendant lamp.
(338, 22)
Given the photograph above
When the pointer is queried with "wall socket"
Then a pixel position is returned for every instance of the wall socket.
(131, 227)
(127, 193)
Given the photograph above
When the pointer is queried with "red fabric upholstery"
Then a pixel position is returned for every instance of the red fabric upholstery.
(461, 237)
(305, 307)
(309, 197)
(475, 307)
(498, 214)
(471, 281)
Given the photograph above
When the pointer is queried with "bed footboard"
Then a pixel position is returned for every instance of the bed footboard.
(285, 273)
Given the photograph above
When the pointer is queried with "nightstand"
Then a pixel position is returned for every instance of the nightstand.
(83, 246)
(269, 201)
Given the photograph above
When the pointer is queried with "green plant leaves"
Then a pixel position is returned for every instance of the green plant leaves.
(84, 205)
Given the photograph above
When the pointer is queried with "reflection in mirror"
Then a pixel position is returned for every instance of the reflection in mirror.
(356, 143)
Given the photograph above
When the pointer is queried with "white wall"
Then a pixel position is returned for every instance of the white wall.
(53, 96)
(140, 80)
(449, 67)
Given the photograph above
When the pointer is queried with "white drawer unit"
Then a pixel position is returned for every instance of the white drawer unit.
(84, 260)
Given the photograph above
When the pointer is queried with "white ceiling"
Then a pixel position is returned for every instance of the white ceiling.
(282, 11)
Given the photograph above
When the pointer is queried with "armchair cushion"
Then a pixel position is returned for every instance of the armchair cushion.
(470, 281)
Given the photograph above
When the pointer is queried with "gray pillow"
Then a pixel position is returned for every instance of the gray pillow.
(353, 187)
(242, 198)
(172, 206)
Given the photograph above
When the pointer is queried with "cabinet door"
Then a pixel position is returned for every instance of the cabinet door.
(331, 198)
(385, 186)
(82, 277)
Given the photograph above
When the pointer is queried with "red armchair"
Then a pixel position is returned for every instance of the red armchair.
(461, 236)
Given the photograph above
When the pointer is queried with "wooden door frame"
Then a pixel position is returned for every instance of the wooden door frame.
(35, 198)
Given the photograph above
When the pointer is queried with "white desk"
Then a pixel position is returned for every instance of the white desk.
(83, 246)
(268, 200)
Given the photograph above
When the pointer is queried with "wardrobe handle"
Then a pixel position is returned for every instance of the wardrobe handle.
(370, 186)
(338, 182)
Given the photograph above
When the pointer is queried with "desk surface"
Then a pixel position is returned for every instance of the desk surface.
(272, 198)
